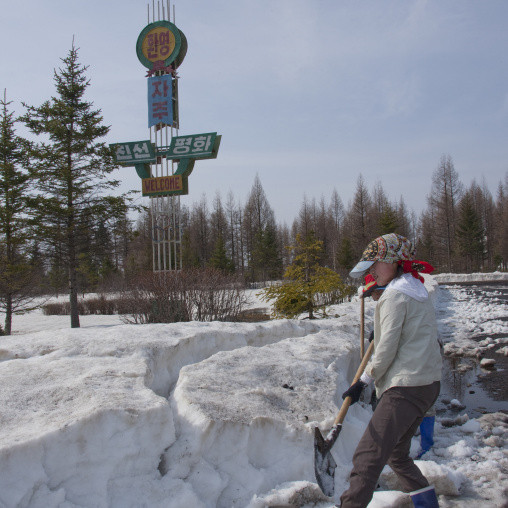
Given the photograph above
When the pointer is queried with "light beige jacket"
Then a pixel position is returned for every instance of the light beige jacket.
(406, 349)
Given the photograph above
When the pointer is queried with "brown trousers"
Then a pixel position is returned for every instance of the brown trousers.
(387, 440)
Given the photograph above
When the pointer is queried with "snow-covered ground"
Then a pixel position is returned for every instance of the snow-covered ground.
(195, 415)
(462, 278)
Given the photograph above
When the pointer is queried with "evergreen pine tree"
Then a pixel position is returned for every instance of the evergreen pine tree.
(345, 255)
(469, 234)
(17, 272)
(87, 273)
(71, 169)
(220, 258)
(190, 257)
(425, 243)
(309, 287)
(266, 258)
(388, 221)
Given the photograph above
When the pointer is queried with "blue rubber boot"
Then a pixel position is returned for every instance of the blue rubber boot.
(426, 435)
(424, 498)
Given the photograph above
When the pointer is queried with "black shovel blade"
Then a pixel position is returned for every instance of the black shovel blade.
(324, 463)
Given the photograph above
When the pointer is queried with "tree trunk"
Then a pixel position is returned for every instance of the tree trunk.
(73, 277)
(73, 297)
(8, 315)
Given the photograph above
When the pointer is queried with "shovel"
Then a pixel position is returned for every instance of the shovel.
(324, 463)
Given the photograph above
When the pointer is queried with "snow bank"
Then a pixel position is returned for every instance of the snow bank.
(464, 278)
(250, 413)
(84, 407)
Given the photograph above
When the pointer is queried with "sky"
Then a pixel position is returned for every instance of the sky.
(308, 96)
(222, 415)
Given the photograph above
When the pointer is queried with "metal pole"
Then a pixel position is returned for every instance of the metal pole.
(166, 221)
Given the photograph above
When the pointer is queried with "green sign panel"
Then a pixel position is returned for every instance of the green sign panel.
(184, 149)
(135, 152)
(195, 146)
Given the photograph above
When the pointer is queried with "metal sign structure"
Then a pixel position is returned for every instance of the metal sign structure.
(157, 46)
(165, 161)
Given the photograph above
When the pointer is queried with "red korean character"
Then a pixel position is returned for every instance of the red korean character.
(160, 109)
(164, 43)
(153, 45)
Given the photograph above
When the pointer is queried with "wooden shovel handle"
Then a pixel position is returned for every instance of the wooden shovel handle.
(359, 372)
(362, 327)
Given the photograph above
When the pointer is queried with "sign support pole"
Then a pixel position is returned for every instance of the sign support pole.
(165, 210)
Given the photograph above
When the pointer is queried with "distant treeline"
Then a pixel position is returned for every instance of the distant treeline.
(461, 230)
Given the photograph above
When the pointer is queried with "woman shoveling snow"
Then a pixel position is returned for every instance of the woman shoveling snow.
(406, 370)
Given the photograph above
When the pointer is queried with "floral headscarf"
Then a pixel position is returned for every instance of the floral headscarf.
(391, 248)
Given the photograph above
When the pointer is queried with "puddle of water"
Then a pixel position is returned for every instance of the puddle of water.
(460, 381)
(462, 377)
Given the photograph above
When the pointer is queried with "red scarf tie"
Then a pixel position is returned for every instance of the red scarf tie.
(413, 267)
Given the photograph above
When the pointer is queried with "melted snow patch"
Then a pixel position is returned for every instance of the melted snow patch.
(289, 494)
(445, 480)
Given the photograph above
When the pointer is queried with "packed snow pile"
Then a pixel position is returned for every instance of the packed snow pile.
(205, 415)
(464, 278)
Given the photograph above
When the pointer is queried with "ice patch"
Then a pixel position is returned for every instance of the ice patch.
(471, 426)
(487, 363)
(503, 351)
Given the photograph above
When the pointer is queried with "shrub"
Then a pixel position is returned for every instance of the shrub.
(56, 309)
(309, 287)
(169, 297)
(100, 305)
(189, 295)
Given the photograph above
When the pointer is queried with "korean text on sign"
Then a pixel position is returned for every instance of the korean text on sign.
(160, 100)
(160, 44)
(193, 145)
(134, 152)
